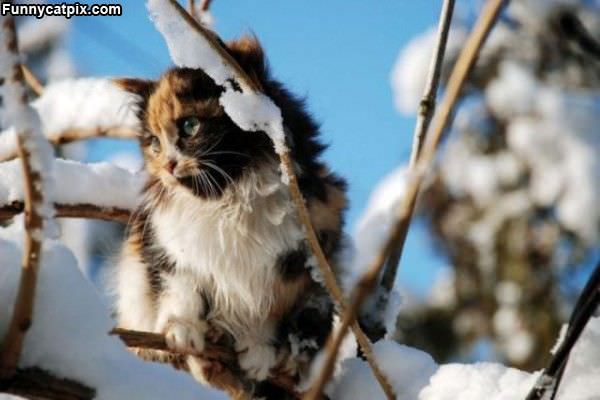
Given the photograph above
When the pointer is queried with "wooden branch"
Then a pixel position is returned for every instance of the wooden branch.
(205, 6)
(33, 82)
(35, 383)
(298, 199)
(192, 8)
(368, 281)
(34, 222)
(426, 110)
(227, 357)
(75, 134)
(88, 211)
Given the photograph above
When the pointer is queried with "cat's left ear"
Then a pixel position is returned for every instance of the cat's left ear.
(249, 54)
(141, 87)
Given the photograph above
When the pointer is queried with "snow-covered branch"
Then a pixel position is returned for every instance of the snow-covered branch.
(36, 167)
(79, 109)
(88, 190)
(193, 46)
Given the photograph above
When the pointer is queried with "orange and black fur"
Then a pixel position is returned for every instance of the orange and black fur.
(215, 245)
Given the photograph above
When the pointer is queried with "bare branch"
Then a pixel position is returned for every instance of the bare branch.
(35, 383)
(33, 82)
(73, 135)
(34, 222)
(88, 211)
(225, 356)
(299, 202)
(426, 110)
(192, 8)
(368, 281)
(205, 6)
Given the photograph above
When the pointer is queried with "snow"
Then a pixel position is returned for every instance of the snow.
(69, 338)
(414, 375)
(477, 381)
(85, 104)
(251, 111)
(102, 184)
(374, 224)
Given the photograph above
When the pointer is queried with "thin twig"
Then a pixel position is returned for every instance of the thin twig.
(23, 308)
(204, 7)
(457, 79)
(76, 134)
(299, 202)
(426, 110)
(192, 8)
(87, 211)
(587, 304)
(225, 356)
(32, 80)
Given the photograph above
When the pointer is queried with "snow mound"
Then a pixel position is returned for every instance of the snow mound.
(69, 332)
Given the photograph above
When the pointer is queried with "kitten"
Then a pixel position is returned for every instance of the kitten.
(215, 251)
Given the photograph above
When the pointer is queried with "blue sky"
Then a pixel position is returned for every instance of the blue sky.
(339, 54)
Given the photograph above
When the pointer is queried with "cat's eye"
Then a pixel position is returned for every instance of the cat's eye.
(190, 126)
(155, 144)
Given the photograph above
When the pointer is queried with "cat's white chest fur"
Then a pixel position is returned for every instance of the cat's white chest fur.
(231, 245)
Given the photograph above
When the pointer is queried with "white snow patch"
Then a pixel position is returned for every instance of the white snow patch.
(95, 184)
(69, 337)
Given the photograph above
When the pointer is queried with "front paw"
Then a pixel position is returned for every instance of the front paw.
(185, 336)
(257, 360)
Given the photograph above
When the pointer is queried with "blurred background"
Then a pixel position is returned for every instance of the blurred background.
(509, 222)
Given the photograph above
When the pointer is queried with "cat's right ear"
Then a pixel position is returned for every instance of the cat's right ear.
(140, 87)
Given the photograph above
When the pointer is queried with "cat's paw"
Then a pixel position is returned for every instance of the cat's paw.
(257, 360)
(185, 336)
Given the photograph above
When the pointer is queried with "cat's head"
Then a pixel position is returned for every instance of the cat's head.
(186, 137)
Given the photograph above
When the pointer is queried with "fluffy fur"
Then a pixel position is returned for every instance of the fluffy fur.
(215, 251)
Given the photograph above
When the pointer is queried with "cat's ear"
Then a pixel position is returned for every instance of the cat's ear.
(249, 54)
(141, 87)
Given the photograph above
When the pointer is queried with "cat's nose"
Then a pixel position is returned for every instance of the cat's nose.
(171, 165)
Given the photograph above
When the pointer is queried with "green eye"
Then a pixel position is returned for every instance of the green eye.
(191, 126)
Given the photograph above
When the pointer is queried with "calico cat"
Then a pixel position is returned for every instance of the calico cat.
(215, 251)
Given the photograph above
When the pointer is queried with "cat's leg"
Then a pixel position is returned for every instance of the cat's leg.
(257, 354)
(135, 305)
(181, 313)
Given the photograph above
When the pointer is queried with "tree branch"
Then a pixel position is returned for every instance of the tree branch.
(426, 110)
(34, 222)
(368, 281)
(75, 134)
(35, 383)
(88, 211)
(33, 82)
(299, 202)
(587, 304)
(204, 7)
(224, 355)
